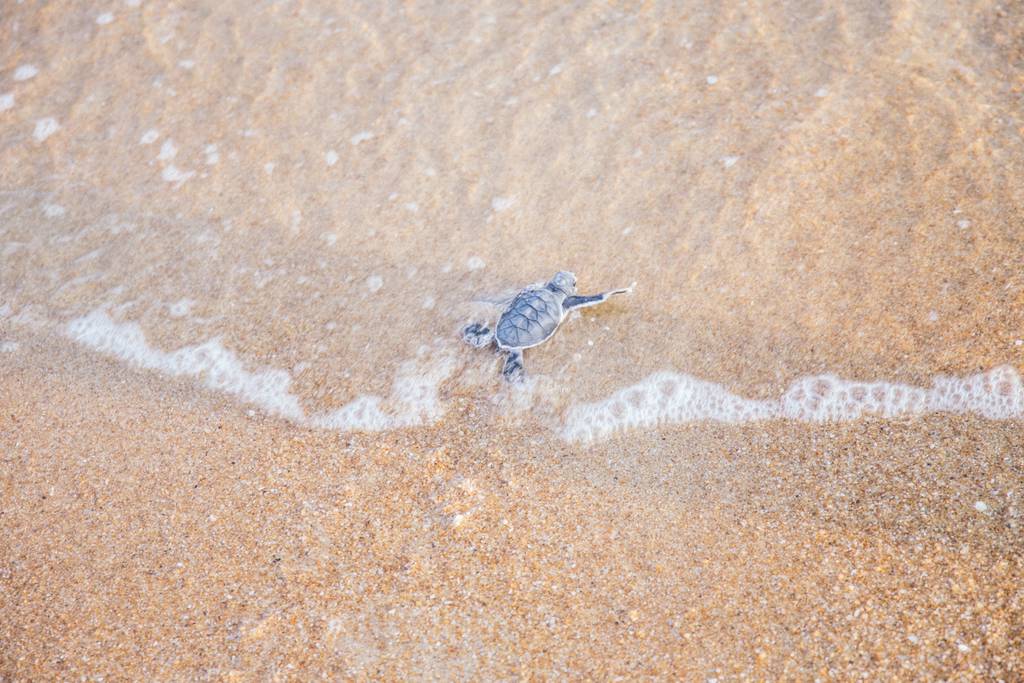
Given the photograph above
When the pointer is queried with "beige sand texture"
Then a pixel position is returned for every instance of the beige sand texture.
(242, 440)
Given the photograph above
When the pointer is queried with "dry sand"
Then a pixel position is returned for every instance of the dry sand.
(240, 438)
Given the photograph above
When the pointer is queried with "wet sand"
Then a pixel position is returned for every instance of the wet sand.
(159, 534)
(242, 440)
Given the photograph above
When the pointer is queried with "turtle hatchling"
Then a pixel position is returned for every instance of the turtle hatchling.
(531, 317)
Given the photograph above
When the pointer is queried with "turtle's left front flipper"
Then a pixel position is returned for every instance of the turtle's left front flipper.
(477, 335)
(572, 302)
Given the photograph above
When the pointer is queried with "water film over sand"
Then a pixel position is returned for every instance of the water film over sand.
(241, 438)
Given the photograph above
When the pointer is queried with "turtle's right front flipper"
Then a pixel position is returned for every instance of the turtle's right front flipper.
(477, 335)
(572, 302)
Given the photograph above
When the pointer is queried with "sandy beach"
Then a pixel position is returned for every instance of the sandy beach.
(242, 438)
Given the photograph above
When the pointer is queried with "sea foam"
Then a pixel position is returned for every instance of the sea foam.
(213, 364)
(414, 398)
(673, 398)
(997, 394)
(413, 401)
(662, 398)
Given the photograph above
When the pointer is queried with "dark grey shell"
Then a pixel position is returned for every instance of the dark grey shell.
(530, 319)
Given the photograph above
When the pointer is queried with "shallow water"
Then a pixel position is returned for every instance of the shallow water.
(282, 214)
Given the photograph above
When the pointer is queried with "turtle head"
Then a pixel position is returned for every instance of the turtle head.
(564, 282)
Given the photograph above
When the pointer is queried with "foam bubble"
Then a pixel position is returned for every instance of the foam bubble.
(671, 398)
(361, 137)
(173, 174)
(9, 346)
(168, 150)
(212, 154)
(104, 18)
(6, 101)
(331, 157)
(25, 72)
(53, 210)
(149, 137)
(502, 203)
(45, 128)
(475, 263)
(181, 308)
(712, 79)
(374, 283)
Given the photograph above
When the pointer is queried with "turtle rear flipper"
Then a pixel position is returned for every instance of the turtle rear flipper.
(513, 370)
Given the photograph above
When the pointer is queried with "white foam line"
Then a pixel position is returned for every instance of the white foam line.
(672, 398)
(414, 399)
(217, 367)
(997, 394)
(662, 398)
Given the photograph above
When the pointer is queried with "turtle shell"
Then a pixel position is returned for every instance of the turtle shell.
(530, 319)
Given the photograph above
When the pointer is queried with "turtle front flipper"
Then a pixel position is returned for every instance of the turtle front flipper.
(572, 302)
(477, 335)
(513, 370)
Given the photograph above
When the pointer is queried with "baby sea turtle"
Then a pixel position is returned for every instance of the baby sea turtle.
(531, 317)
